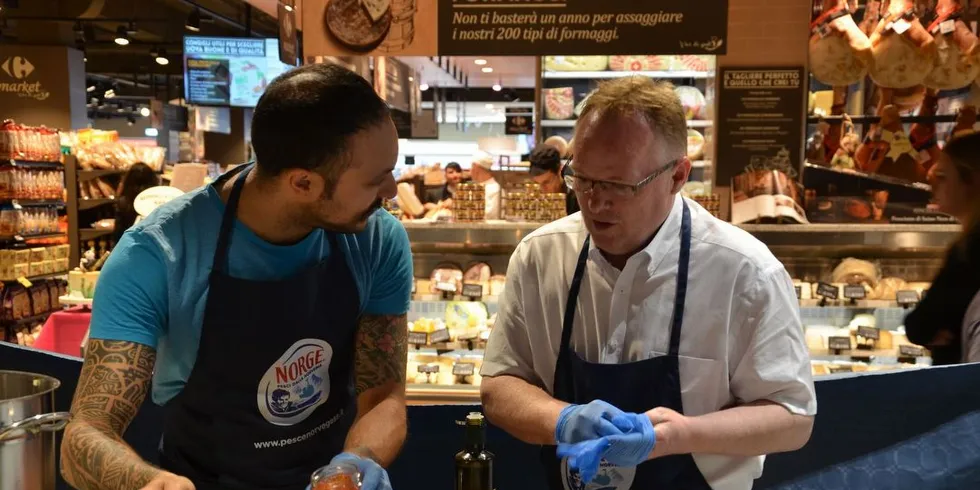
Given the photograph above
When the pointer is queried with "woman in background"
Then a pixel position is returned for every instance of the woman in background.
(137, 179)
(947, 321)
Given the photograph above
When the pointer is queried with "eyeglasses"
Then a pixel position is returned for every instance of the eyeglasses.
(614, 189)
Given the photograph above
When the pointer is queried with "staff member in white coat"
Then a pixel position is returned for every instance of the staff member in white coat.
(267, 308)
(644, 314)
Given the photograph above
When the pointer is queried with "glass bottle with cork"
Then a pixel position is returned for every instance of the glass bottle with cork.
(474, 464)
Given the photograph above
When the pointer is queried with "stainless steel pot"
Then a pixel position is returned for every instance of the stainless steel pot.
(27, 431)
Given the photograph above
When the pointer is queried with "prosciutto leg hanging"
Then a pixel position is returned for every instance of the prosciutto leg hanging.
(957, 57)
(887, 150)
(839, 51)
(903, 52)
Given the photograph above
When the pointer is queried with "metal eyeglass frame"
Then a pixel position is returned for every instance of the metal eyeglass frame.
(618, 189)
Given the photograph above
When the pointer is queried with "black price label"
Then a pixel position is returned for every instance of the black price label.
(464, 369)
(418, 338)
(839, 343)
(907, 297)
(474, 291)
(855, 292)
(828, 291)
(441, 335)
(799, 291)
(910, 351)
(869, 333)
(428, 368)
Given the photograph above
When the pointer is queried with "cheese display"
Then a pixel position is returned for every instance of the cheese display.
(695, 144)
(958, 59)
(376, 8)
(856, 271)
(447, 278)
(903, 52)
(690, 62)
(638, 63)
(559, 103)
(691, 99)
(839, 52)
(576, 63)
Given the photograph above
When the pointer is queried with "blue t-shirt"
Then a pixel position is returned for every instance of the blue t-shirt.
(154, 286)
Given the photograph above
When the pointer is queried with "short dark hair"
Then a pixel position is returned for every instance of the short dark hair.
(455, 166)
(964, 152)
(544, 158)
(307, 115)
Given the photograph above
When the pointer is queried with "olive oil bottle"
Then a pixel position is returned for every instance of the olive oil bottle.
(474, 464)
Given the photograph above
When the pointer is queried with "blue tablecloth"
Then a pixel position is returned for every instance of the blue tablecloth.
(917, 429)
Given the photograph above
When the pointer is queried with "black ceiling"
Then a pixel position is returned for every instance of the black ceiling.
(159, 24)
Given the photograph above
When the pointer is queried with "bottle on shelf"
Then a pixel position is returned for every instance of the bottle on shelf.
(474, 464)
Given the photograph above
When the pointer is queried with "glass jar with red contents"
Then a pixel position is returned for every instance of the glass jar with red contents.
(342, 476)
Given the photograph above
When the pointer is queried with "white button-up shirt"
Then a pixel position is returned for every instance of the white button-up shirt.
(742, 339)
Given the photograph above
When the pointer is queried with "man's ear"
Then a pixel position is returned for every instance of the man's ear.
(681, 173)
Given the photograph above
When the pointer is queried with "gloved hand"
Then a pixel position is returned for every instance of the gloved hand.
(584, 457)
(373, 476)
(634, 445)
(578, 423)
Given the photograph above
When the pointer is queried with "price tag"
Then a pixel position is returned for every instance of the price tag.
(428, 368)
(855, 292)
(441, 335)
(907, 297)
(446, 286)
(417, 338)
(464, 369)
(947, 26)
(869, 333)
(24, 282)
(839, 343)
(910, 351)
(900, 26)
(799, 291)
(828, 291)
(474, 291)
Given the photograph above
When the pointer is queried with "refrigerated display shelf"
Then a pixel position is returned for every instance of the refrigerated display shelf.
(584, 75)
(570, 123)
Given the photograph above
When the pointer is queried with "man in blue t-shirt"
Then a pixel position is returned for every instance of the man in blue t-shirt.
(267, 308)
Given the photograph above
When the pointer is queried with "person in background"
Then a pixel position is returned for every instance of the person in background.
(480, 172)
(947, 321)
(268, 310)
(454, 175)
(643, 330)
(138, 178)
(546, 171)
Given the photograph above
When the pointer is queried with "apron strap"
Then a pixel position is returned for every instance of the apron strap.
(681, 294)
(571, 303)
(228, 223)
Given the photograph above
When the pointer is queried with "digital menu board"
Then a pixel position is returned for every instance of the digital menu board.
(229, 71)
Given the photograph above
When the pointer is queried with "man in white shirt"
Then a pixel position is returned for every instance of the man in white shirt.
(480, 172)
(588, 351)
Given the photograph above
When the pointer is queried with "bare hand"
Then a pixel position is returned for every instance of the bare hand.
(169, 481)
(671, 432)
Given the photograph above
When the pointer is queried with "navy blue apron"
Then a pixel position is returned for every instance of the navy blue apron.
(633, 387)
(271, 396)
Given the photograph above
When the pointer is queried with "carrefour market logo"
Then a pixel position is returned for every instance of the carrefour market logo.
(19, 68)
(296, 383)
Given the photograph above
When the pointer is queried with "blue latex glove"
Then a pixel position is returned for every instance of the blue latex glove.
(373, 476)
(584, 457)
(578, 423)
(633, 446)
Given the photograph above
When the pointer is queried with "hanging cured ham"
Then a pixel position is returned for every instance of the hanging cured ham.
(966, 120)
(840, 52)
(887, 149)
(957, 55)
(923, 135)
(903, 52)
(849, 143)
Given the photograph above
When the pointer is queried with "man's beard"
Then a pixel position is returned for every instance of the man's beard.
(356, 225)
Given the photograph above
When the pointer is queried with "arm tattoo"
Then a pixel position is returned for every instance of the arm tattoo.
(381, 351)
(114, 382)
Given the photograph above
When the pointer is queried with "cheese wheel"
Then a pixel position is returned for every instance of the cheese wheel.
(408, 201)
(559, 103)
(695, 144)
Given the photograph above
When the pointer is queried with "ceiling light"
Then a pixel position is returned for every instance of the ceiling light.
(288, 6)
(193, 23)
(423, 87)
(110, 93)
(120, 110)
(411, 79)
(122, 38)
(489, 106)
(480, 61)
(145, 111)
(151, 132)
(497, 87)
(487, 69)
(161, 58)
(90, 88)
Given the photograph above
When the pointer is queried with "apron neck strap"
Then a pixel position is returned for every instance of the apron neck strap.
(228, 222)
(681, 293)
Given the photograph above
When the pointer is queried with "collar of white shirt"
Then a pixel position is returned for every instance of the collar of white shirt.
(667, 238)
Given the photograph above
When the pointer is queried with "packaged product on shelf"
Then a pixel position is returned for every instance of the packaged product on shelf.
(559, 103)
(27, 336)
(497, 284)
(575, 63)
(21, 183)
(691, 62)
(16, 303)
(695, 144)
(105, 189)
(118, 156)
(29, 143)
(469, 204)
(691, 99)
(466, 319)
(28, 221)
(447, 278)
(638, 63)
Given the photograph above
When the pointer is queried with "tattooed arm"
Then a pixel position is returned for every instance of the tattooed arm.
(114, 381)
(379, 370)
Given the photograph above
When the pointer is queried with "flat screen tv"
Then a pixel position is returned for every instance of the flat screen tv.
(229, 71)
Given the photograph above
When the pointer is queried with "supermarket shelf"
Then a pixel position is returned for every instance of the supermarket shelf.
(84, 204)
(32, 202)
(584, 75)
(94, 174)
(489, 237)
(39, 277)
(25, 238)
(34, 165)
(27, 320)
(93, 233)
(570, 123)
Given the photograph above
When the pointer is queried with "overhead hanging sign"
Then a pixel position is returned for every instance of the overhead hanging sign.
(288, 52)
(513, 27)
